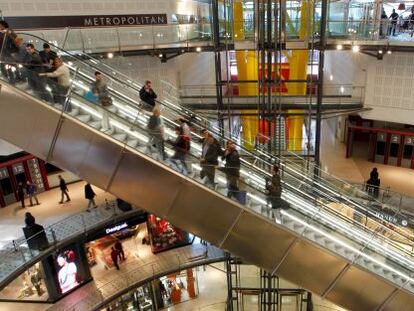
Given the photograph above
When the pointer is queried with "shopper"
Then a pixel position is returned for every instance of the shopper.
(61, 87)
(374, 173)
(114, 257)
(156, 131)
(63, 189)
(209, 160)
(100, 89)
(35, 66)
(274, 190)
(8, 48)
(20, 194)
(48, 56)
(148, 96)
(121, 254)
(29, 219)
(184, 125)
(181, 147)
(394, 20)
(31, 191)
(232, 169)
(90, 196)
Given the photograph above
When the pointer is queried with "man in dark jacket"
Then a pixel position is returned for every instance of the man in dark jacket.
(48, 57)
(8, 49)
(181, 147)
(90, 196)
(20, 194)
(231, 168)
(209, 159)
(274, 191)
(34, 66)
(114, 257)
(148, 96)
(63, 189)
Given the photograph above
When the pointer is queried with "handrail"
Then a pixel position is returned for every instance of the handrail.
(313, 200)
(286, 163)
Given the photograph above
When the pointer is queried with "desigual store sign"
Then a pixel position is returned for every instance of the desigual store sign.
(42, 22)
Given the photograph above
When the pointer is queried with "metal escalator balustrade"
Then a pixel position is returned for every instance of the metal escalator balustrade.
(321, 188)
(307, 221)
(324, 184)
(390, 263)
(125, 93)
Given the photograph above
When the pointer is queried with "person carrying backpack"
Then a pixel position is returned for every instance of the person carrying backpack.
(181, 147)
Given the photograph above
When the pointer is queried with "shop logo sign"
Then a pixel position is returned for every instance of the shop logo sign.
(125, 20)
(116, 228)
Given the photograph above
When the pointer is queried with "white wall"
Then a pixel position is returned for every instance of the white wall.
(190, 69)
(389, 83)
(97, 7)
(390, 89)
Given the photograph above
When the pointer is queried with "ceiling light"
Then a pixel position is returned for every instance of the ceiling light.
(339, 47)
(389, 52)
(198, 49)
(110, 55)
(379, 51)
(355, 48)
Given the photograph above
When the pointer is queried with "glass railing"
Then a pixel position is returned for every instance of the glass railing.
(24, 250)
(331, 224)
(321, 185)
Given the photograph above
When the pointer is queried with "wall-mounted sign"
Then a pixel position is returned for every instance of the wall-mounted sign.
(42, 22)
(116, 228)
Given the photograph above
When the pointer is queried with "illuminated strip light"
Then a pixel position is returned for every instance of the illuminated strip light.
(256, 198)
(254, 177)
(350, 231)
(333, 239)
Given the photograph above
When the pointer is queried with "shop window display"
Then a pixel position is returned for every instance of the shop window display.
(164, 236)
(29, 286)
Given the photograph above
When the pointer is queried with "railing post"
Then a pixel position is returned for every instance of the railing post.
(66, 37)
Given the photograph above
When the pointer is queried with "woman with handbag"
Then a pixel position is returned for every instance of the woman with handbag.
(100, 89)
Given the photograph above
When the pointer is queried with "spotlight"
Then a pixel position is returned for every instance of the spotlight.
(198, 49)
(331, 77)
(110, 55)
(379, 51)
(339, 47)
(355, 48)
(163, 57)
(389, 52)
(160, 55)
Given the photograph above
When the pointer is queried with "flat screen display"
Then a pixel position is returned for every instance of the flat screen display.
(68, 264)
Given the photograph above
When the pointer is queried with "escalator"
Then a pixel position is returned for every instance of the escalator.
(336, 255)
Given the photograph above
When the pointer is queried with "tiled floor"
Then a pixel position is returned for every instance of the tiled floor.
(48, 212)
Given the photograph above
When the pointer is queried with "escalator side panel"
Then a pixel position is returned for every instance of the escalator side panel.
(26, 122)
(207, 211)
(86, 153)
(259, 240)
(401, 301)
(143, 182)
(311, 267)
(367, 291)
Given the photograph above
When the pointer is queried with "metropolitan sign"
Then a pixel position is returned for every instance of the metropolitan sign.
(44, 22)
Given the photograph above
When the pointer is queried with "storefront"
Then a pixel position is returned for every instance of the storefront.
(161, 293)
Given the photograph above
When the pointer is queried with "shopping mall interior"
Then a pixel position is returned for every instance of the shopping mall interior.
(207, 155)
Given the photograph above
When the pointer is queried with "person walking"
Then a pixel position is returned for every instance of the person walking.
(61, 88)
(156, 130)
(184, 125)
(114, 257)
(90, 196)
(20, 194)
(63, 189)
(232, 169)
(274, 190)
(148, 96)
(100, 89)
(121, 254)
(209, 159)
(374, 173)
(31, 191)
(181, 147)
(394, 20)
